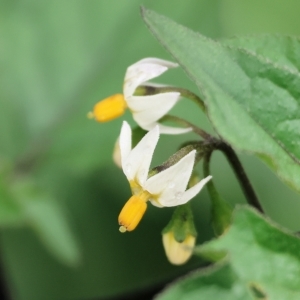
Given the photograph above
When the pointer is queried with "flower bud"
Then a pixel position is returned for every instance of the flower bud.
(178, 253)
(179, 236)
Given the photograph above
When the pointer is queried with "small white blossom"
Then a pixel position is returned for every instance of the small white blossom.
(166, 188)
(148, 109)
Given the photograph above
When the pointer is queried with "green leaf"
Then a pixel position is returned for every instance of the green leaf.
(283, 51)
(252, 102)
(218, 282)
(46, 218)
(261, 258)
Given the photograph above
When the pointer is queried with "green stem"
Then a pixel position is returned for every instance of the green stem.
(152, 90)
(216, 144)
(238, 169)
(185, 123)
(240, 175)
(186, 94)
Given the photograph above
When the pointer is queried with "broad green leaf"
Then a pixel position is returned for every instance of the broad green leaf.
(47, 219)
(283, 51)
(259, 257)
(252, 102)
(217, 282)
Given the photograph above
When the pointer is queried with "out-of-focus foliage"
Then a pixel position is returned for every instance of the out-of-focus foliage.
(57, 59)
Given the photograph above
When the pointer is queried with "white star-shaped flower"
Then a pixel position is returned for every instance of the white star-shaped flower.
(164, 189)
(146, 109)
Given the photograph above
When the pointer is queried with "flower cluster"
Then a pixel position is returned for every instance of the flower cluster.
(167, 185)
(164, 189)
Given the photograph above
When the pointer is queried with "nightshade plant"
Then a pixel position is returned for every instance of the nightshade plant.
(249, 87)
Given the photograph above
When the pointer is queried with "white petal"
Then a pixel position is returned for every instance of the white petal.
(157, 61)
(155, 203)
(125, 143)
(190, 193)
(168, 129)
(138, 162)
(143, 71)
(148, 109)
(171, 183)
(154, 84)
(173, 130)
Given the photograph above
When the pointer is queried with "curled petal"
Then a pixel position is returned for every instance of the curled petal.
(149, 109)
(190, 193)
(170, 184)
(157, 61)
(143, 71)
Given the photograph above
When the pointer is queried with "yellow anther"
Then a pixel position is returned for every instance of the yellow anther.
(132, 213)
(109, 108)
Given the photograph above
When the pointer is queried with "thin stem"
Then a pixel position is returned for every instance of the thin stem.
(231, 156)
(240, 175)
(184, 93)
(185, 123)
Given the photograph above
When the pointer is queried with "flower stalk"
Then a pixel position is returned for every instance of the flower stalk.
(241, 175)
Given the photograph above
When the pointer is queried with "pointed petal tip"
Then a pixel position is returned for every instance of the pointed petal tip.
(125, 123)
(208, 178)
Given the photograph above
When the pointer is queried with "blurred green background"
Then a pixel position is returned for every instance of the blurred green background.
(60, 193)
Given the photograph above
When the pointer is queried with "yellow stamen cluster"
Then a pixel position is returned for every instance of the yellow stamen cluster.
(132, 213)
(109, 108)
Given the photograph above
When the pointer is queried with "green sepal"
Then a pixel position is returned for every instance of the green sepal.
(182, 223)
(221, 211)
(177, 156)
(221, 215)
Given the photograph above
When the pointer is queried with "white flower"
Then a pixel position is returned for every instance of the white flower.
(148, 109)
(166, 188)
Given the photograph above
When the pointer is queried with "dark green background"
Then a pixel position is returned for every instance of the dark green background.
(57, 59)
